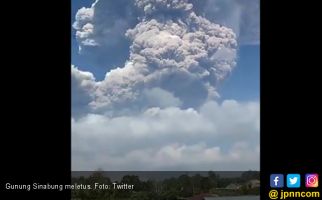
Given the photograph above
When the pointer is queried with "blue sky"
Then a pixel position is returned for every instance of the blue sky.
(159, 110)
(243, 84)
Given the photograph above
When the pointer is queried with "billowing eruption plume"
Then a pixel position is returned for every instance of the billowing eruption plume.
(175, 53)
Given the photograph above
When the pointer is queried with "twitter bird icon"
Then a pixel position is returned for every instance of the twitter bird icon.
(293, 181)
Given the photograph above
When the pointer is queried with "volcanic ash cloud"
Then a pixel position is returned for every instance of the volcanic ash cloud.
(174, 50)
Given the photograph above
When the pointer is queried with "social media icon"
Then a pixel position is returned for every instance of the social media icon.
(311, 180)
(293, 180)
(277, 180)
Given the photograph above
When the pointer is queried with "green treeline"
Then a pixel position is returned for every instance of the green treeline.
(181, 187)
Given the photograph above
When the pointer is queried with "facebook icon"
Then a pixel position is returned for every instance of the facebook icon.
(277, 180)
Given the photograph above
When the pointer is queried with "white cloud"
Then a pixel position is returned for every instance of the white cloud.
(213, 137)
(100, 26)
(100, 32)
(83, 17)
(83, 86)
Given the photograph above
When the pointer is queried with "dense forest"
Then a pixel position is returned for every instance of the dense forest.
(181, 187)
